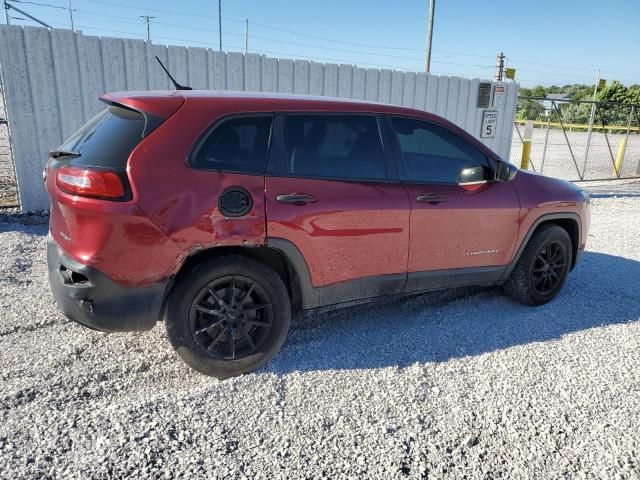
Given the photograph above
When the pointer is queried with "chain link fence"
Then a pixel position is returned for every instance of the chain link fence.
(577, 140)
(8, 190)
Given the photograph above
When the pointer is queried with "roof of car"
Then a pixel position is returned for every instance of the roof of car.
(275, 101)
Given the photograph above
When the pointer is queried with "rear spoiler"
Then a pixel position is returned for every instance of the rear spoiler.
(155, 108)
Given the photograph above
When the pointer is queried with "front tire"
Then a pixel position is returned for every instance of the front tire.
(542, 268)
(228, 316)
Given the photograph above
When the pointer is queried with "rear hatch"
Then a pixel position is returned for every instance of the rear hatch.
(93, 161)
(92, 204)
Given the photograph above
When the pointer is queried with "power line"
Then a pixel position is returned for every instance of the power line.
(171, 12)
(325, 39)
(38, 4)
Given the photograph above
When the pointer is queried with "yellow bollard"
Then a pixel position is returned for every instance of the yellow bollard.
(526, 154)
(526, 144)
(617, 167)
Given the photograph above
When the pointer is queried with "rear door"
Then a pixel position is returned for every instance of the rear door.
(459, 233)
(332, 192)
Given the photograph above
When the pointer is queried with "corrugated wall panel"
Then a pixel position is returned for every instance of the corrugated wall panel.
(316, 82)
(235, 71)
(345, 80)
(19, 107)
(252, 72)
(285, 76)
(359, 83)
(53, 78)
(43, 93)
(198, 72)
(67, 80)
(91, 74)
(331, 80)
(113, 66)
(135, 65)
(301, 76)
(158, 80)
(372, 87)
(269, 74)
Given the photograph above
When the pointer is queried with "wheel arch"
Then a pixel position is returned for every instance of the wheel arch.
(569, 221)
(280, 255)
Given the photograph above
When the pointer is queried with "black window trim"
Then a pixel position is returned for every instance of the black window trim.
(398, 155)
(387, 152)
(193, 149)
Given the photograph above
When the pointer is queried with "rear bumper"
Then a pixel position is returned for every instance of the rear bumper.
(89, 297)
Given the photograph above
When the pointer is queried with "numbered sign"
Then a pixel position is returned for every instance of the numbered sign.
(489, 124)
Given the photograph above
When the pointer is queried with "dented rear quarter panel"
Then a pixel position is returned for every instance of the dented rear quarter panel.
(182, 201)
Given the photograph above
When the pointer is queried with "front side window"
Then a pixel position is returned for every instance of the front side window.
(434, 154)
(237, 145)
(332, 146)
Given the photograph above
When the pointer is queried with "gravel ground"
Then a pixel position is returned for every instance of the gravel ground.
(470, 387)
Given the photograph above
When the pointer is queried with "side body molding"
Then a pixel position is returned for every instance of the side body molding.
(397, 284)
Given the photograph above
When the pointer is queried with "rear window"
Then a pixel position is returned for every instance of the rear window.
(342, 147)
(236, 145)
(107, 139)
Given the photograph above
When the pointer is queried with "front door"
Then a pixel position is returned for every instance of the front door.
(459, 234)
(328, 192)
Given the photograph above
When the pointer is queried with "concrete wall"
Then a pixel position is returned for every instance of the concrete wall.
(53, 78)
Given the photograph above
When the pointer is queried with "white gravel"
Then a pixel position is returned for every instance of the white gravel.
(474, 387)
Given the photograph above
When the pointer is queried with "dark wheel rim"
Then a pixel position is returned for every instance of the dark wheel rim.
(231, 317)
(549, 267)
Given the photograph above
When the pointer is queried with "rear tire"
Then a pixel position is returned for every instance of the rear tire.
(228, 316)
(542, 268)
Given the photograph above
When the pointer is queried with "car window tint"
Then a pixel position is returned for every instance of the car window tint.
(433, 154)
(237, 145)
(333, 146)
(107, 139)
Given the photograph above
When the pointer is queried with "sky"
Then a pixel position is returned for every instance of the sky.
(547, 42)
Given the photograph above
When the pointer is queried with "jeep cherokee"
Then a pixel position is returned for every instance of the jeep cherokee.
(223, 213)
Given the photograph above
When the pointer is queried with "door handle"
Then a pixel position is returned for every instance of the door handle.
(430, 198)
(296, 198)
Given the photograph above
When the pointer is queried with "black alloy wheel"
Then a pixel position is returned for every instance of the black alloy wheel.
(548, 267)
(228, 315)
(542, 269)
(231, 317)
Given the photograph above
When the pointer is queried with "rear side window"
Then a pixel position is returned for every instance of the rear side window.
(107, 139)
(332, 146)
(237, 145)
(433, 154)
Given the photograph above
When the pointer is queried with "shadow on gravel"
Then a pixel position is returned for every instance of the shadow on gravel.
(602, 290)
(33, 224)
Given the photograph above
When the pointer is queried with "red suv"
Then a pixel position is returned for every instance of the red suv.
(222, 213)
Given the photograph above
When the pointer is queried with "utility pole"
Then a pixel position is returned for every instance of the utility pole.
(432, 9)
(148, 19)
(499, 66)
(220, 22)
(246, 35)
(6, 12)
(71, 17)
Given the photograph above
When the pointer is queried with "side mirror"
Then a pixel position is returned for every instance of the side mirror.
(473, 176)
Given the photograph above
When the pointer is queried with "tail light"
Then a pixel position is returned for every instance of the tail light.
(88, 182)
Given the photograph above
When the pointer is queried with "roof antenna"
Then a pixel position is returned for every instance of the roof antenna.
(173, 80)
